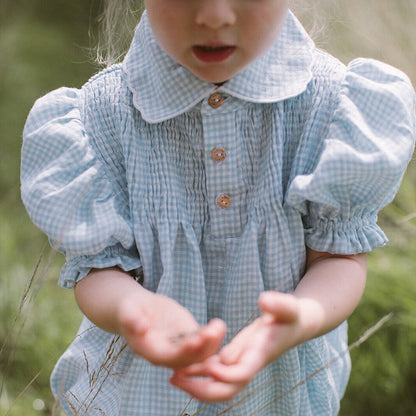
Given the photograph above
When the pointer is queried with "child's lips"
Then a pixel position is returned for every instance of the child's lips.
(213, 53)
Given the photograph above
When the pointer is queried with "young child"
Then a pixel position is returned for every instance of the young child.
(214, 195)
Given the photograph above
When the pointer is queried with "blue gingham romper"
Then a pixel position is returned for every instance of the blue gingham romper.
(214, 192)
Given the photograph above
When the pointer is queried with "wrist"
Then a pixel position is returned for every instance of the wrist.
(311, 319)
(129, 313)
(299, 318)
(101, 294)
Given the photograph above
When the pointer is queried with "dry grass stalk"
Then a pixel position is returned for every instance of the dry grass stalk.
(98, 378)
(11, 341)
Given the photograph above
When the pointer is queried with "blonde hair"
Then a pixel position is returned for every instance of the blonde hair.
(116, 25)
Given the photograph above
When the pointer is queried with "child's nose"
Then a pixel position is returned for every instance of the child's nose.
(215, 13)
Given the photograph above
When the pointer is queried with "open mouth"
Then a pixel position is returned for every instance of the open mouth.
(208, 53)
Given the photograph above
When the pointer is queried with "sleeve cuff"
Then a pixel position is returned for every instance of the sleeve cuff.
(77, 267)
(358, 235)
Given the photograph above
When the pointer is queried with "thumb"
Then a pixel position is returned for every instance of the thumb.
(282, 306)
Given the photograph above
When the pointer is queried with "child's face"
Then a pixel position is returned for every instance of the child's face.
(215, 39)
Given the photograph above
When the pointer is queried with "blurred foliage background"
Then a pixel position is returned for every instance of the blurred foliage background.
(45, 44)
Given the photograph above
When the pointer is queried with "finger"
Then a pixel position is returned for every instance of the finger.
(205, 341)
(231, 353)
(214, 331)
(160, 352)
(212, 337)
(194, 348)
(284, 307)
(163, 352)
(206, 389)
(178, 351)
(239, 373)
(199, 346)
(198, 369)
(216, 328)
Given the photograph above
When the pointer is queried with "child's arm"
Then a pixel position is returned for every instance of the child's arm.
(151, 324)
(327, 294)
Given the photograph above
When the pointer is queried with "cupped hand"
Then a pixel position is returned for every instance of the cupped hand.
(165, 333)
(223, 375)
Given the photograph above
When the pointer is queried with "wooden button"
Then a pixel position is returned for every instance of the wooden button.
(218, 154)
(224, 201)
(215, 100)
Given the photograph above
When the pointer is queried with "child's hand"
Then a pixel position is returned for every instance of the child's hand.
(165, 333)
(326, 296)
(268, 337)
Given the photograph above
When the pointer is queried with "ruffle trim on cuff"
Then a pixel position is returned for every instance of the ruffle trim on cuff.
(357, 235)
(78, 267)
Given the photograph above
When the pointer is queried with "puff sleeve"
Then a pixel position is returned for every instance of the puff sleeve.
(69, 194)
(362, 160)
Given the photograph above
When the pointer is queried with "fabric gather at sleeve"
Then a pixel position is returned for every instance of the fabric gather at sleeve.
(67, 192)
(368, 145)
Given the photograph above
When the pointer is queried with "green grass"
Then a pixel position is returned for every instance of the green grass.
(384, 376)
(44, 45)
(38, 54)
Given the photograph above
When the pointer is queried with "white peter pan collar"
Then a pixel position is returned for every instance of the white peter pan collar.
(155, 78)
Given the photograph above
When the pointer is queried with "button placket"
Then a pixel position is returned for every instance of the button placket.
(223, 176)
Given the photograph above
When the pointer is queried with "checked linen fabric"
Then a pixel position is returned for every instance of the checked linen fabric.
(121, 172)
